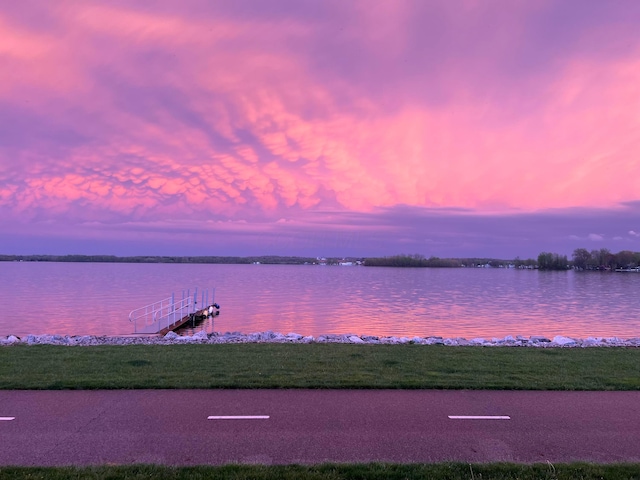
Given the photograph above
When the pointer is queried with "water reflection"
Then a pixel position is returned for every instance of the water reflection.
(68, 298)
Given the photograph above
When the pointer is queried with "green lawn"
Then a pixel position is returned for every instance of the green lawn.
(318, 366)
(451, 471)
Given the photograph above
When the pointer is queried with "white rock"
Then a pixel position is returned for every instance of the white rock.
(391, 340)
(269, 336)
(539, 338)
(562, 341)
(591, 342)
(335, 338)
(370, 338)
(185, 338)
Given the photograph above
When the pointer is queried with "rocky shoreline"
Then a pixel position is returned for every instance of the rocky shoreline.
(203, 337)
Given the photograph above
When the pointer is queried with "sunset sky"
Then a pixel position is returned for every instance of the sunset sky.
(452, 128)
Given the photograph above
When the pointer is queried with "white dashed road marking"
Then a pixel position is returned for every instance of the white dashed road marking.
(238, 417)
(479, 417)
(6, 419)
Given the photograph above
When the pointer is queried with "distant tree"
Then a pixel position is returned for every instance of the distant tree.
(602, 259)
(624, 259)
(609, 259)
(552, 261)
(415, 260)
(545, 259)
(581, 258)
(443, 262)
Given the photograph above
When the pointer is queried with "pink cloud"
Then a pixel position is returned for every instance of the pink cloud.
(167, 114)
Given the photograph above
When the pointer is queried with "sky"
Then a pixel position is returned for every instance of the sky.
(449, 128)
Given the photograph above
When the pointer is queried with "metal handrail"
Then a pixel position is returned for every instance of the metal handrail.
(148, 310)
(173, 313)
(167, 312)
(162, 314)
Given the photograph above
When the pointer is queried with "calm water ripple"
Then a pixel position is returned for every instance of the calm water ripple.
(85, 298)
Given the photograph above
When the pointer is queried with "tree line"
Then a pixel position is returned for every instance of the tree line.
(581, 259)
(603, 259)
(268, 259)
(417, 260)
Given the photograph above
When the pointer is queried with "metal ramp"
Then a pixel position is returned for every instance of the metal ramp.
(169, 314)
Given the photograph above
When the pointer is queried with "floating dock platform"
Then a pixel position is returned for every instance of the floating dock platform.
(209, 312)
(170, 314)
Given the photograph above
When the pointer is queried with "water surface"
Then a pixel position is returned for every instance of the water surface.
(96, 298)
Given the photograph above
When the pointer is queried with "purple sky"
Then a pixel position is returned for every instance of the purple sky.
(319, 128)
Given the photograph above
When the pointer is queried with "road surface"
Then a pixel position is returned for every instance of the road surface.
(190, 427)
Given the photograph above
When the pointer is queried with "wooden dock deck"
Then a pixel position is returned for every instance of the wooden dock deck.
(209, 312)
(170, 314)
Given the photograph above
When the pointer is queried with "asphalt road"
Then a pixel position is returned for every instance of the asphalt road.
(311, 426)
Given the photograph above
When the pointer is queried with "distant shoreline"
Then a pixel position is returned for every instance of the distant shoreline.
(536, 341)
(408, 261)
(602, 261)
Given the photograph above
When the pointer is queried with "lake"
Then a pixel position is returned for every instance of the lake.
(96, 298)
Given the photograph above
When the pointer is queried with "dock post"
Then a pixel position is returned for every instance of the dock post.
(173, 308)
(195, 300)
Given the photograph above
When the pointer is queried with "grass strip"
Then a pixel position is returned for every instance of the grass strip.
(453, 471)
(317, 366)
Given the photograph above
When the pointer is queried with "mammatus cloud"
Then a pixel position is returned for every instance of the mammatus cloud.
(210, 117)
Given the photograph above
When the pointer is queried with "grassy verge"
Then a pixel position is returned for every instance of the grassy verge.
(317, 366)
(451, 471)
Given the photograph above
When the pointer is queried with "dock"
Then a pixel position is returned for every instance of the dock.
(208, 312)
(170, 314)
